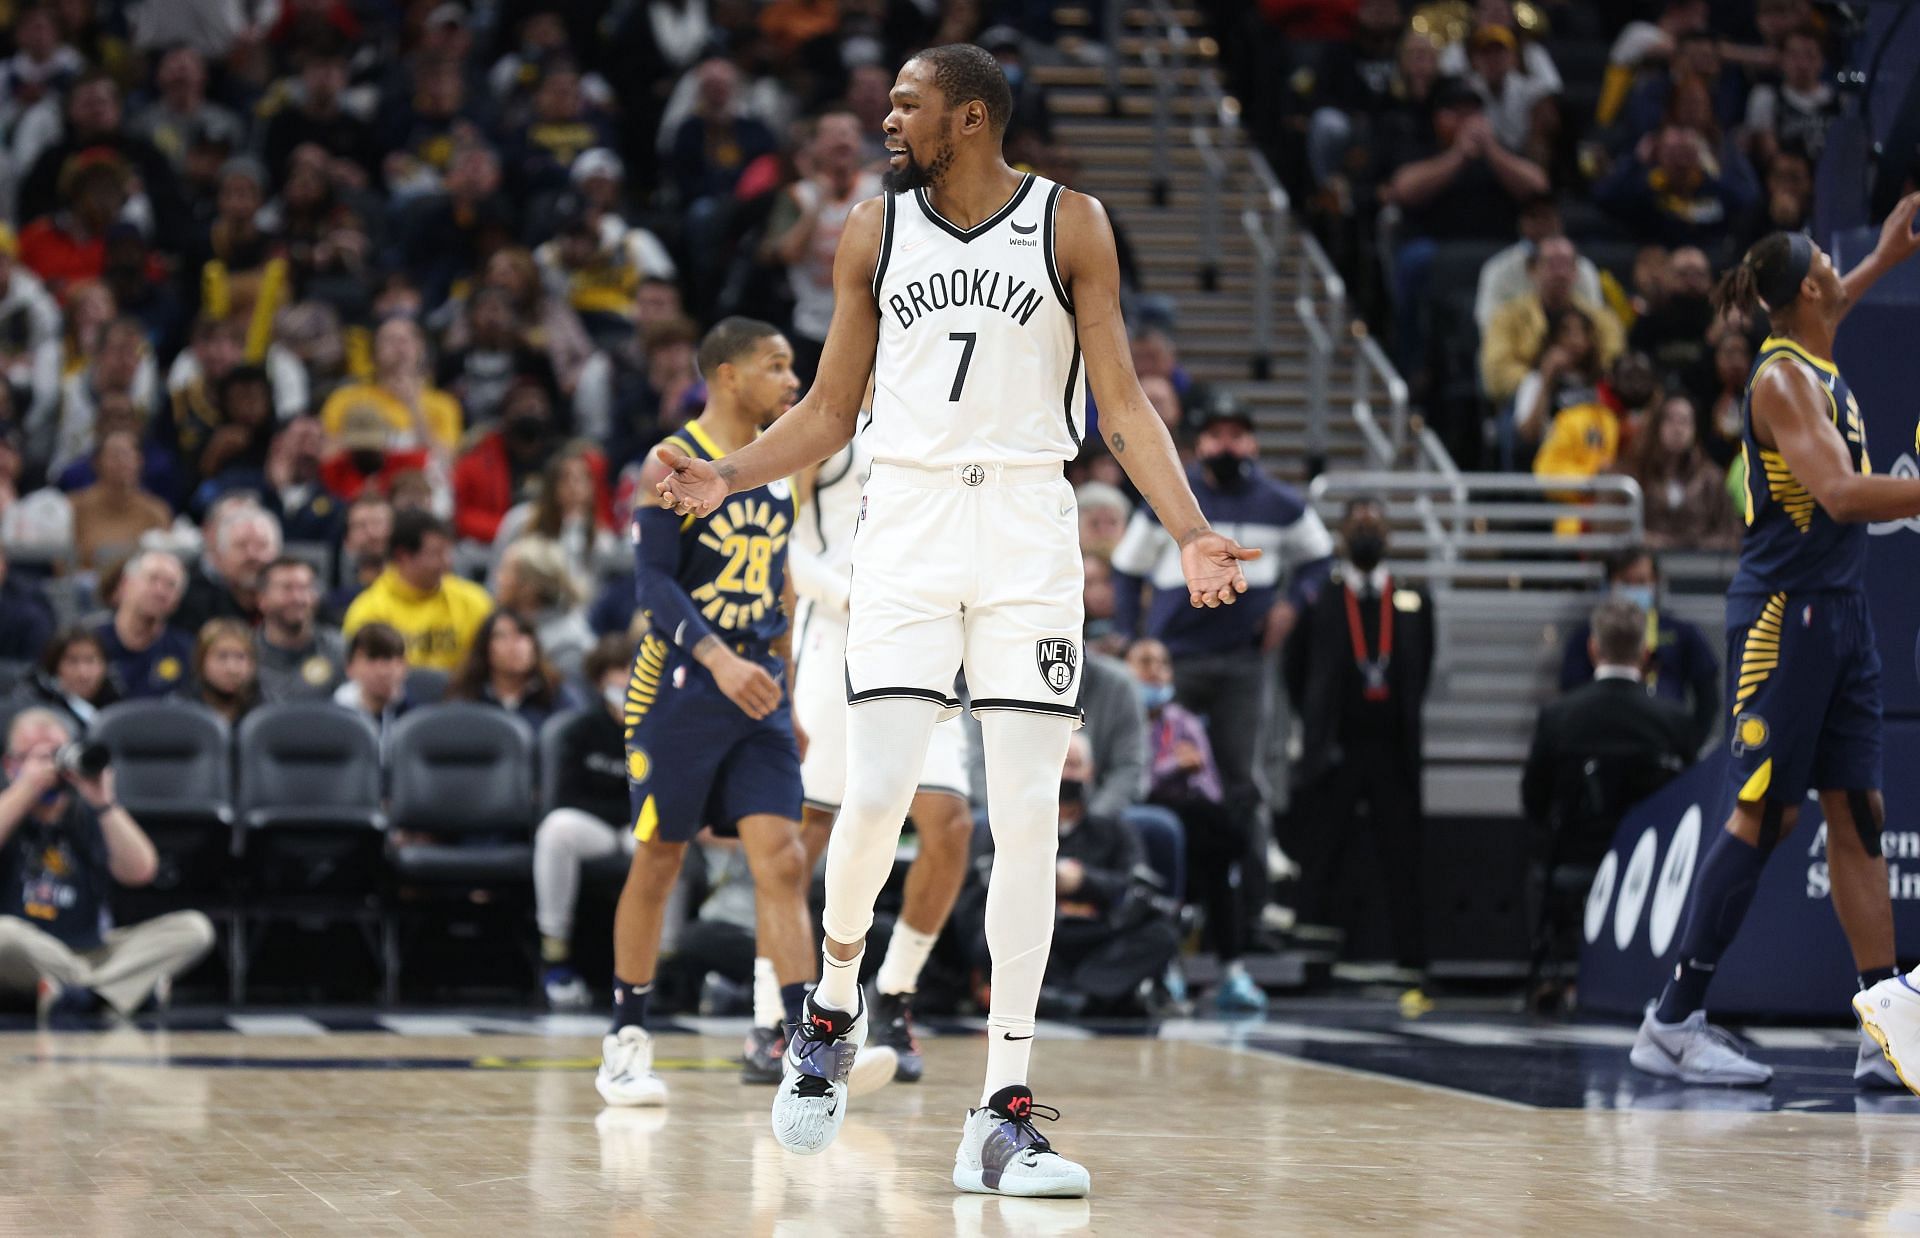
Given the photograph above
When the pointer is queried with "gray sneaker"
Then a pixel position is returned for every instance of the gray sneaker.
(1694, 1051)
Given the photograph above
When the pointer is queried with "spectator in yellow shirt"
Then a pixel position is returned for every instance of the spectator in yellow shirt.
(1518, 331)
(436, 611)
(418, 416)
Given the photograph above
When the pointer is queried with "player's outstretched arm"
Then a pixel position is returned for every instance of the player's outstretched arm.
(822, 422)
(1897, 244)
(1133, 430)
(1792, 406)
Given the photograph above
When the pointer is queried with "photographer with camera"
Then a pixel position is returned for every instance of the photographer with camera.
(64, 841)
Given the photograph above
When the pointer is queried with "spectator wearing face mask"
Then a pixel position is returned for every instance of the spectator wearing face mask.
(504, 467)
(1221, 657)
(1357, 670)
(1681, 665)
(1184, 780)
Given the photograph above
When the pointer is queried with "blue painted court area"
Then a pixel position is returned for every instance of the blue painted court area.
(1486, 1054)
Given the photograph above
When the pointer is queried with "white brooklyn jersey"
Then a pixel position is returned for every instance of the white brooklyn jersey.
(825, 524)
(978, 360)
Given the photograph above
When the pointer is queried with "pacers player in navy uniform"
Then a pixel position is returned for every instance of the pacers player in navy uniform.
(1804, 676)
(709, 736)
(984, 303)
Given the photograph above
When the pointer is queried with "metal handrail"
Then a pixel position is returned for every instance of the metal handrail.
(1266, 256)
(1615, 495)
(1370, 363)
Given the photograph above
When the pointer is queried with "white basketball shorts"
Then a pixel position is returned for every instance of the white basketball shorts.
(820, 709)
(975, 566)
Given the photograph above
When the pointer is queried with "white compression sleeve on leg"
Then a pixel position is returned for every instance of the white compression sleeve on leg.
(886, 749)
(1025, 753)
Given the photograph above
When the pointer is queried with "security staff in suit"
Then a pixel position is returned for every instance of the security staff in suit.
(1357, 669)
(1643, 739)
(1596, 752)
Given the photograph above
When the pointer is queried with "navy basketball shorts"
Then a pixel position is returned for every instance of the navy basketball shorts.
(693, 758)
(1804, 678)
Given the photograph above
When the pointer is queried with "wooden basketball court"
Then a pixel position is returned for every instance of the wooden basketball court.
(279, 1130)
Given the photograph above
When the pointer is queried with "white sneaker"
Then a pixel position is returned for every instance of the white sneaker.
(810, 1105)
(1890, 1013)
(874, 1067)
(626, 1070)
(1693, 1051)
(1002, 1154)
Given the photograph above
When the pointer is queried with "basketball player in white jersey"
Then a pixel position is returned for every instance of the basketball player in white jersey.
(982, 302)
(820, 564)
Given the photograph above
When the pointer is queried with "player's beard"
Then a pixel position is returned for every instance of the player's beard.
(917, 175)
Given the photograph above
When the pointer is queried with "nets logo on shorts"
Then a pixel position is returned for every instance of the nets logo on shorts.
(1057, 656)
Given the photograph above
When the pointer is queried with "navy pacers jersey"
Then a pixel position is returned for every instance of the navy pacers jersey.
(733, 562)
(1803, 671)
(694, 757)
(1791, 544)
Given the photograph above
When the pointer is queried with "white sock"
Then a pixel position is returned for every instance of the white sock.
(839, 987)
(768, 1011)
(906, 955)
(1024, 754)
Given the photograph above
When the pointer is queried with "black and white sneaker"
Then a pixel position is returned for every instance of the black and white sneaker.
(810, 1104)
(893, 1028)
(1002, 1154)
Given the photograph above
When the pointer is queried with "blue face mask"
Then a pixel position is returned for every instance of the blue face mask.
(1153, 695)
(1640, 595)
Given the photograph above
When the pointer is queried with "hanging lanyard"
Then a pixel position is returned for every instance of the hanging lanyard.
(1373, 670)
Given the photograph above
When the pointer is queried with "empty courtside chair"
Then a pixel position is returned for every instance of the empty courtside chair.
(173, 769)
(461, 812)
(311, 824)
(426, 686)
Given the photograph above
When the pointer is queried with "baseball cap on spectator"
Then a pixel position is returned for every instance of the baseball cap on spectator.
(598, 161)
(1493, 36)
(1218, 405)
(363, 429)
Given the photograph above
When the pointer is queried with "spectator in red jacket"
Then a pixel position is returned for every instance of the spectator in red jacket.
(503, 467)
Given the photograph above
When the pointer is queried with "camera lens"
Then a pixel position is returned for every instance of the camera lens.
(83, 758)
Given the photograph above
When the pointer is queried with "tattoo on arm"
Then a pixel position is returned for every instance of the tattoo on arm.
(1118, 442)
(706, 645)
(725, 468)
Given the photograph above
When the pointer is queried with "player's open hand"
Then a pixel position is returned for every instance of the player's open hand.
(1897, 238)
(747, 685)
(1211, 564)
(691, 487)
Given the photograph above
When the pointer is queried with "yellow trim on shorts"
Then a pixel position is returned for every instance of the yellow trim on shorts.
(649, 823)
(1760, 653)
(1754, 790)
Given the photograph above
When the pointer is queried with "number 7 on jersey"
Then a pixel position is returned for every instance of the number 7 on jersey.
(969, 338)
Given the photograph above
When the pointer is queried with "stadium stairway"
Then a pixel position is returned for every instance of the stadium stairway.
(1112, 140)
